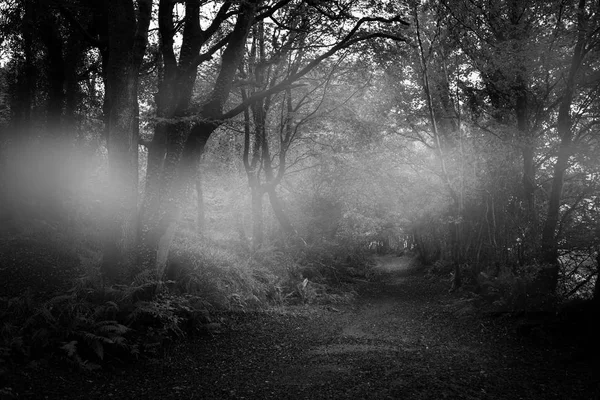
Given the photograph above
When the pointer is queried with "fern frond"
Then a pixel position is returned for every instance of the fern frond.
(91, 338)
(111, 305)
(144, 277)
(70, 348)
(88, 365)
(108, 307)
(111, 327)
(45, 314)
(98, 349)
(59, 299)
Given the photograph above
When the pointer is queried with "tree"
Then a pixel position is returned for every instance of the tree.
(175, 151)
(585, 43)
(274, 125)
(511, 53)
(180, 164)
(451, 129)
(127, 38)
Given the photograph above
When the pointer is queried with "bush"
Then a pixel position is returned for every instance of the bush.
(90, 324)
(510, 292)
(226, 279)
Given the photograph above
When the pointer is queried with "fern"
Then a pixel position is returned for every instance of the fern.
(60, 299)
(46, 315)
(70, 348)
(144, 277)
(95, 343)
(98, 349)
(72, 353)
(106, 310)
(111, 328)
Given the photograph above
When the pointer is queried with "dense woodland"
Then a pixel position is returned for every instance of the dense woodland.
(180, 157)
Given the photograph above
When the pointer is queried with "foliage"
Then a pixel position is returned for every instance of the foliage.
(245, 280)
(510, 292)
(91, 324)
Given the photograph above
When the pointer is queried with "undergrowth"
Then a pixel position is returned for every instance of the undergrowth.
(89, 324)
(92, 324)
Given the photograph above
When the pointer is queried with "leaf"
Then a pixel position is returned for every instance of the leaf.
(98, 348)
(59, 299)
(46, 314)
(112, 327)
(302, 285)
(70, 348)
(89, 366)
(91, 338)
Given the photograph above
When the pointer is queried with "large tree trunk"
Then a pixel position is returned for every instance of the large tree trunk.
(519, 34)
(257, 117)
(160, 208)
(175, 167)
(456, 202)
(125, 48)
(164, 153)
(530, 222)
(549, 248)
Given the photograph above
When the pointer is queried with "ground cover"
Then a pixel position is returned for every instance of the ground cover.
(403, 337)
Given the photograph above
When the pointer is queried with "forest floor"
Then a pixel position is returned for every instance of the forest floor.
(402, 338)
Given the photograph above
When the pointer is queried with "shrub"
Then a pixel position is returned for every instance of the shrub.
(224, 278)
(512, 292)
(89, 324)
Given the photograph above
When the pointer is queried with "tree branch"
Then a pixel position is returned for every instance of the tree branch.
(166, 30)
(140, 39)
(221, 16)
(71, 18)
(348, 41)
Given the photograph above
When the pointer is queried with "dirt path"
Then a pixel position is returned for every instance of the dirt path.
(400, 340)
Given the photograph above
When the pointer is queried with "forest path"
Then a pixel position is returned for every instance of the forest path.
(401, 339)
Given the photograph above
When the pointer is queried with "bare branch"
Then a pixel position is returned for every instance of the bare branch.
(348, 41)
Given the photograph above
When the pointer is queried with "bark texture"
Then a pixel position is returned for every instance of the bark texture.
(127, 37)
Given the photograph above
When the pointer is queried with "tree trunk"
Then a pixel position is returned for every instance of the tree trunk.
(597, 285)
(26, 82)
(518, 35)
(161, 209)
(168, 189)
(164, 153)
(549, 248)
(528, 178)
(125, 48)
(280, 214)
(56, 74)
(200, 207)
(257, 213)
(454, 230)
(73, 57)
